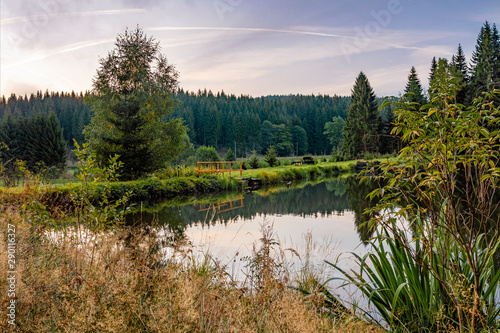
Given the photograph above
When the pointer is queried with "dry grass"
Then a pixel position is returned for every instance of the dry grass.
(121, 281)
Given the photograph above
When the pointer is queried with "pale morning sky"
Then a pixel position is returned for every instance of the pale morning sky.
(253, 47)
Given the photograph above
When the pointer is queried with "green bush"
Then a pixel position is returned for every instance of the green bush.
(207, 154)
(253, 162)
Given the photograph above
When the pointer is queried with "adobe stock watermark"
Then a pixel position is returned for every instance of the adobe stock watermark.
(11, 274)
(366, 34)
(31, 26)
(223, 6)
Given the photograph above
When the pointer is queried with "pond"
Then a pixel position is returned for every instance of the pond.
(310, 222)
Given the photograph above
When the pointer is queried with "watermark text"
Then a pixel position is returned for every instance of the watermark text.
(11, 273)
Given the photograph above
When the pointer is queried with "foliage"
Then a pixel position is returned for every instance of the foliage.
(207, 154)
(253, 161)
(444, 187)
(104, 211)
(485, 61)
(230, 155)
(299, 141)
(460, 70)
(187, 153)
(177, 171)
(414, 89)
(360, 133)
(36, 140)
(334, 130)
(131, 97)
(270, 157)
(337, 155)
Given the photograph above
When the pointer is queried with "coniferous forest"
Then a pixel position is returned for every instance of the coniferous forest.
(294, 125)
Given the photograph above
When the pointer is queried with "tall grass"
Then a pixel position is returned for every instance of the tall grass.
(287, 174)
(124, 280)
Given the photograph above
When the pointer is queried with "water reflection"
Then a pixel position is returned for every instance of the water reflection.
(309, 201)
(222, 206)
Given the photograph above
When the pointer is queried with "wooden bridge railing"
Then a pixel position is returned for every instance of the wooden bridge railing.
(223, 206)
(219, 167)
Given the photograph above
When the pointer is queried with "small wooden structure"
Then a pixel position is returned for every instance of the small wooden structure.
(224, 206)
(219, 167)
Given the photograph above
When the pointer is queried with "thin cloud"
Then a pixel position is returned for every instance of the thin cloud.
(19, 19)
(378, 39)
(60, 50)
(297, 32)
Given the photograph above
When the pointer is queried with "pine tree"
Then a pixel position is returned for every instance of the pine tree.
(414, 89)
(433, 69)
(230, 155)
(253, 161)
(461, 72)
(46, 146)
(270, 157)
(485, 64)
(496, 56)
(360, 133)
(55, 150)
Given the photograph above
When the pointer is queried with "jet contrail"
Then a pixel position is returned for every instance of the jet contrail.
(17, 19)
(63, 49)
(298, 32)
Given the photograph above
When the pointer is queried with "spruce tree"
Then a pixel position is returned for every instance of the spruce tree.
(270, 157)
(433, 69)
(485, 64)
(46, 146)
(230, 156)
(360, 133)
(9, 136)
(55, 150)
(461, 73)
(414, 89)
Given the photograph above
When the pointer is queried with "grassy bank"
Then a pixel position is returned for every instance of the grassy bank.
(291, 173)
(122, 281)
(156, 189)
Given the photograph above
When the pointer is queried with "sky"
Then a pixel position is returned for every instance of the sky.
(250, 47)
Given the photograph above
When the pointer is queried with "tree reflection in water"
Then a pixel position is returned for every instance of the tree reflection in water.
(332, 197)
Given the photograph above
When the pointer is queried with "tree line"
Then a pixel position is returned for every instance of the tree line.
(34, 143)
(366, 132)
(350, 127)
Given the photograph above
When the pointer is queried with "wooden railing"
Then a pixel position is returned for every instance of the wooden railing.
(219, 167)
(223, 206)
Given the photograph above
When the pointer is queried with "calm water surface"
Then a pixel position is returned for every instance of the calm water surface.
(318, 221)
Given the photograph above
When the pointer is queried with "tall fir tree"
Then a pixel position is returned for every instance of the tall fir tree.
(360, 133)
(414, 89)
(432, 70)
(485, 62)
(46, 145)
(460, 71)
